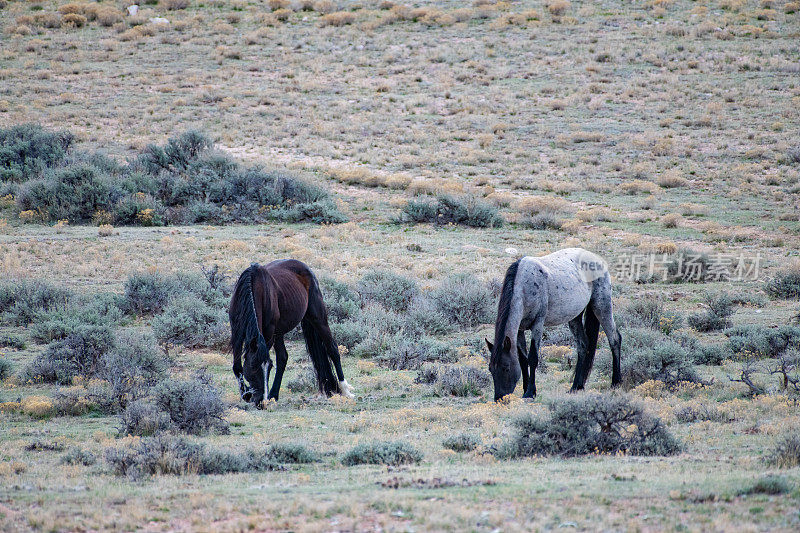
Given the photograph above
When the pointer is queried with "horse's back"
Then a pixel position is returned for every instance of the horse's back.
(568, 291)
(291, 281)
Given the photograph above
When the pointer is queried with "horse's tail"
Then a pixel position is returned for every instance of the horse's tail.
(244, 322)
(319, 340)
(592, 328)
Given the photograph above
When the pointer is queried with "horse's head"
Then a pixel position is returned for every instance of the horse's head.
(504, 366)
(253, 383)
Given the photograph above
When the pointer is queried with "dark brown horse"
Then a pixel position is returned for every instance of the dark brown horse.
(268, 302)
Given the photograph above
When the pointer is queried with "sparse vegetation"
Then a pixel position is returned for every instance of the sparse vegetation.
(593, 423)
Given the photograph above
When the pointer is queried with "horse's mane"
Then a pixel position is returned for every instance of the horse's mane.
(504, 309)
(243, 317)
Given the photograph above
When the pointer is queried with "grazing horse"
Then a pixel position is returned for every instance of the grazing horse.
(570, 285)
(268, 302)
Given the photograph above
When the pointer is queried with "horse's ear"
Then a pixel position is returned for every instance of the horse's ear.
(489, 344)
(507, 344)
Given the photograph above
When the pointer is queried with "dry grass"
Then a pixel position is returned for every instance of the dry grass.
(558, 7)
(535, 205)
(339, 18)
(672, 179)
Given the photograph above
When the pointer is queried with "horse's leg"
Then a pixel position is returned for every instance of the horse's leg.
(533, 356)
(238, 370)
(281, 357)
(581, 343)
(523, 359)
(592, 328)
(601, 307)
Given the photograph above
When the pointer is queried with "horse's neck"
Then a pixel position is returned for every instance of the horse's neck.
(515, 313)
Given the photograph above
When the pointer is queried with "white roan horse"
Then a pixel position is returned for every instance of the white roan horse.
(571, 285)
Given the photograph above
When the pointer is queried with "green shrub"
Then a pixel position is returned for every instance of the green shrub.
(463, 299)
(27, 150)
(194, 405)
(383, 330)
(341, 301)
(391, 290)
(15, 342)
(132, 366)
(769, 484)
(382, 453)
(142, 418)
(430, 317)
(715, 317)
(188, 321)
(73, 193)
(427, 374)
(150, 292)
(694, 412)
(177, 154)
(457, 380)
(762, 341)
(689, 266)
(292, 453)
(650, 314)
(147, 292)
(96, 310)
(171, 455)
(543, 221)
(304, 381)
(712, 354)
(5, 369)
(650, 355)
(80, 353)
(77, 456)
(185, 181)
(586, 424)
(466, 210)
(21, 302)
(463, 442)
(409, 354)
(140, 209)
(786, 452)
(785, 285)
(349, 333)
(319, 212)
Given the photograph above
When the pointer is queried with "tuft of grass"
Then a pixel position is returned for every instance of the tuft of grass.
(463, 442)
(455, 380)
(337, 19)
(382, 453)
(785, 284)
(786, 452)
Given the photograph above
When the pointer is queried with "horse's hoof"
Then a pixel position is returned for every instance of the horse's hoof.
(346, 389)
